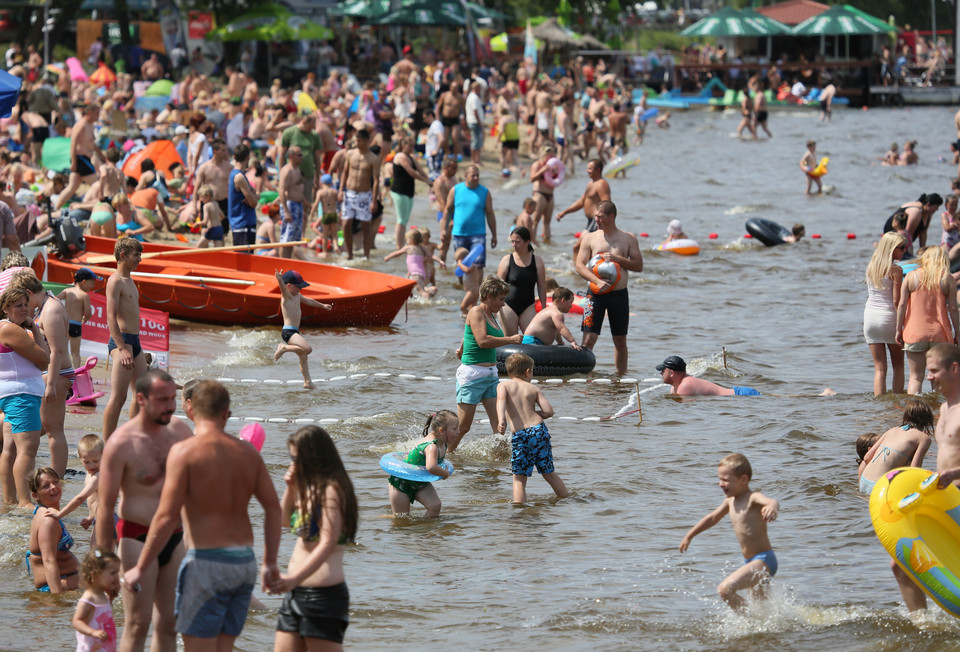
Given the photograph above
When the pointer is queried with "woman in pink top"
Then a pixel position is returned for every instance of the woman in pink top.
(927, 313)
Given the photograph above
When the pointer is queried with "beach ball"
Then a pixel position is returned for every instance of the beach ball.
(505, 172)
(605, 269)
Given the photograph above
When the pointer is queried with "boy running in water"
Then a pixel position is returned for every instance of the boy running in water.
(293, 342)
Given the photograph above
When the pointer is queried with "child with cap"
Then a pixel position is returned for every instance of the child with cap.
(76, 299)
(673, 371)
(675, 231)
(291, 283)
(328, 217)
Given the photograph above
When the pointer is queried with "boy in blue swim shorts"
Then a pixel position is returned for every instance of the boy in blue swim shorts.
(526, 407)
(749, 511)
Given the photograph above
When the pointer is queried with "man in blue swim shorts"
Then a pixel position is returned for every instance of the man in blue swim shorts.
(290, 191)
(673, 371)
(217, 576)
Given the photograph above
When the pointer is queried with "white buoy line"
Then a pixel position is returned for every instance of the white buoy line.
(406, 376)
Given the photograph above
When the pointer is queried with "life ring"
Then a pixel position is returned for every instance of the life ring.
(549, 360)
(821, 168)
(618, 165)
(554, 173)
(685, 247)
(767, 231)
(470, 258)
(917, 524)
(395, 464)
(575, 309)
(605, 269)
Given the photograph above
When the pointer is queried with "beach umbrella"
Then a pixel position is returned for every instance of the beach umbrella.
(436, 14)
(360, 9)
(9, 92)
(838, 21)
(160, 88)
(774, 26)
(591, 42)
(103, 76)
(730, 22)
(270, 22)
(554, 34)
(887, 27)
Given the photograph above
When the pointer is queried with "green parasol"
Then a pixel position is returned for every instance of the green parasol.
(270, 22)
(730, 22)
(160, 88)
(437, 14)
(839, 20)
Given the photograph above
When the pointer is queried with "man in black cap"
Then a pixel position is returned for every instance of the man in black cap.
(673, 371)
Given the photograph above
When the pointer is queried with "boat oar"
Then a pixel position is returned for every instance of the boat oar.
(179, 277)
(96, 260)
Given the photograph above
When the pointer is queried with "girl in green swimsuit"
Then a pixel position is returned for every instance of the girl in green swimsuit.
(322, 508)
(441, 429)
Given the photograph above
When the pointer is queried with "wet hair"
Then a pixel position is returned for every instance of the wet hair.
(933, 199)
(798, 230)
(899, 219)
(93, 566)
(188, 388)
(14, 259)
(945, 352)
(518, 364)
(864, 443)
(34, 481)
(737, 463)
(414, 237)
(493, 287)
(608, 208)
(28, 281)
(562, 294)
(89, 444)
(552, 284)
(882, 260)
(145, 382)
(439, 420)
(918, 415)
(317, 465)
(523, 233)
(209, 399)
(125, 245)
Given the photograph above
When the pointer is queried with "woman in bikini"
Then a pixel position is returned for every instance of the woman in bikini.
(54, 568)
(904, 445)
(321, 507)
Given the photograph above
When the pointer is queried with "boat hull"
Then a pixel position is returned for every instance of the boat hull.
(359, 297)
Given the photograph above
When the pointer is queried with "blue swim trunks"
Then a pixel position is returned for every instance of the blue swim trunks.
(768, 558)
(22, 412)
(531, 447)
(287, 332)
(214, 233)
(746, 391)
(866, 486)
(214, 586)
(530, 339)
(129, 338)
(291, 225)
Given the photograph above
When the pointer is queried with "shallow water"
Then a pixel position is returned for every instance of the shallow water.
(600, 570)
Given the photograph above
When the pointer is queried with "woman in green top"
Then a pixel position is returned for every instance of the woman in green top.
(477, 374)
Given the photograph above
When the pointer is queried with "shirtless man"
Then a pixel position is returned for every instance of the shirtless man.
(598, 190)
(449, 109)
(441, 190)
(83, 151)
(152, 69)
(542, 193)
(760, 113)
(616, 246)
(359, 189)
(673, 371)
(111, 177)
(330, 147)
(543, 112)
(123, 321)
(236, 82)
(216, 172)
(618, 131)
(134, 466)
(290, 193)
(216, 581)
(595, 111)
(54, 324)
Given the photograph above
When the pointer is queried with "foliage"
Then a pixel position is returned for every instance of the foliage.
(647, 39)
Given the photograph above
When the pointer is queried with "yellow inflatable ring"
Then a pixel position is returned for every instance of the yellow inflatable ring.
(919, 525)
(821, 168)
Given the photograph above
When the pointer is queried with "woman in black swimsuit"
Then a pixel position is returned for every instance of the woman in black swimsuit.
(919, 214)
(524, 272)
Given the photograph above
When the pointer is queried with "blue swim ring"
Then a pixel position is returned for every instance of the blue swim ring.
(394, 464)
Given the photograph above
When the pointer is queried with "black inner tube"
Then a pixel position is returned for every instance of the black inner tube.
(766, 231)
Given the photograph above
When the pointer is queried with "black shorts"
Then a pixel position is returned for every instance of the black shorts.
(449, 122)
(84, 166)
(40, 134)
(75, 329)
(762, 116)
(225, 209)
(617, 303)
(316, 612)
(510, 144)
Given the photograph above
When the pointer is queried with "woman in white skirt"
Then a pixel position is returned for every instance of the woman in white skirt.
(884, 278)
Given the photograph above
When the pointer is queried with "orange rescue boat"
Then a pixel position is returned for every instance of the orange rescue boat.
(230, 287)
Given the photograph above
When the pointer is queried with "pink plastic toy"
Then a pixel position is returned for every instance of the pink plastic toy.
(254, 433)
(82, 390)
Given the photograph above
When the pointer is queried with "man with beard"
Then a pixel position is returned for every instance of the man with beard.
(134, 466)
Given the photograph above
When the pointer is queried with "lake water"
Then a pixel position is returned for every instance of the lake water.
(600, 570)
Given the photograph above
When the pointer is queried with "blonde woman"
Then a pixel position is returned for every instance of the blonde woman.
(927, 312)
(884, 279)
